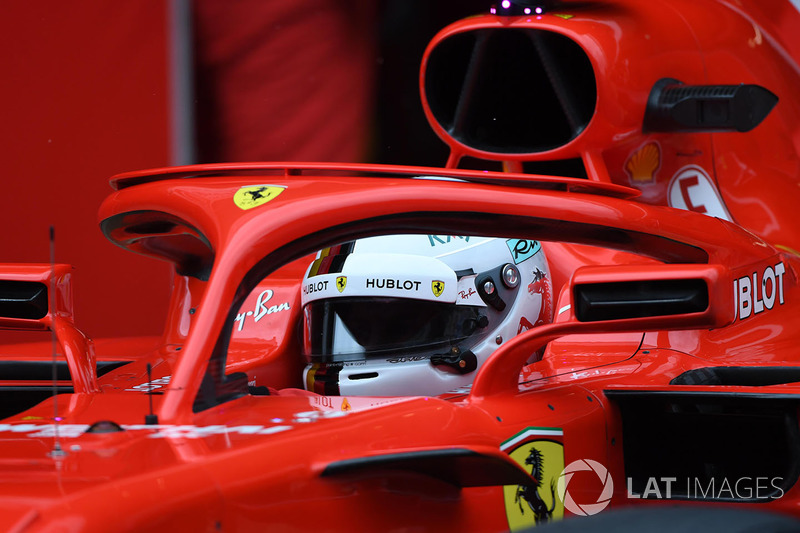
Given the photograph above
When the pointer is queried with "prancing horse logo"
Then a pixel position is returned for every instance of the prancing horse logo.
(255, 195)
(437, 287)
(535, 503)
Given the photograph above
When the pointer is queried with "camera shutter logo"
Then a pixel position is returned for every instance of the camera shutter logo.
(585, 509)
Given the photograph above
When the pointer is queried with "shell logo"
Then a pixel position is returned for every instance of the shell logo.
(643, 164)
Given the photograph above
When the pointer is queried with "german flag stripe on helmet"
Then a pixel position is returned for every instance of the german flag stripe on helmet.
(323, 379)
(331, 260)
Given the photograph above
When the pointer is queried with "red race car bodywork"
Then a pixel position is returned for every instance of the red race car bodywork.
(670, 369)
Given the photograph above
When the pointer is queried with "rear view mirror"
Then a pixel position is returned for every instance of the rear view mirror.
(653, 296)
(607, 299)
(25, 297)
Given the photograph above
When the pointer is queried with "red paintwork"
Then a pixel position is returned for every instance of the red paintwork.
(252, 461)
(756, 174)
(76, 348)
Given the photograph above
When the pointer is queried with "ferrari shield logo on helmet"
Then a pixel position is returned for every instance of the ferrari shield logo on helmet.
(341, 283)
(438, 287)
(256, 195)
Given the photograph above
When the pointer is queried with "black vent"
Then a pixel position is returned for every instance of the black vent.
(739, 376)
(712, 446)
(19, 397)
(674, 107)
(43, 370)
(23, 299)
(634, 299)
(511, 91)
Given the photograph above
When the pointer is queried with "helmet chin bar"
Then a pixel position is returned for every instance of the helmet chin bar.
(462, 361)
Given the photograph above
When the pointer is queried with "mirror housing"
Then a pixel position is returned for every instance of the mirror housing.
(608, 299)
(25, 299)
(38, 297)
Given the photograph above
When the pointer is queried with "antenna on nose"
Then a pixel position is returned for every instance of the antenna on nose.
(57, 451)
(150, 418)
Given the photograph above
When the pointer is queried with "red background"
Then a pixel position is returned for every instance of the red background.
(84, 96)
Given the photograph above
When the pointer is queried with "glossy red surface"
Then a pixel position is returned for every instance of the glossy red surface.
(712, 377)
(755, 174)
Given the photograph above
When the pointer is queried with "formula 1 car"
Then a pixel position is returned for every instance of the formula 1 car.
(668, 371)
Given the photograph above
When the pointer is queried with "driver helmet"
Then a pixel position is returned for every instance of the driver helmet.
(408, 315)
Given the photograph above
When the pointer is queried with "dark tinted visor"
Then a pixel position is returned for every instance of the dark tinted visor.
(370, 326)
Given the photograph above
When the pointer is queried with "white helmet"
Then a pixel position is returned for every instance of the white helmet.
(407, 315)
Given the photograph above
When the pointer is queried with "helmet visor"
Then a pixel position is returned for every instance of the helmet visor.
(341, 329)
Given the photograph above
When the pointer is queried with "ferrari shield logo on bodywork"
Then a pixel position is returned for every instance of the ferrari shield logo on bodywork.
(341, 283)
(437, 287)
(540, 452)
(256, 195)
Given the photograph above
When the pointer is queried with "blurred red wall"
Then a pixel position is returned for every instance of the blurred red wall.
(84, 95)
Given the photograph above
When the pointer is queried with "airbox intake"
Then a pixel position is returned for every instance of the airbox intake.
(510, 90)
